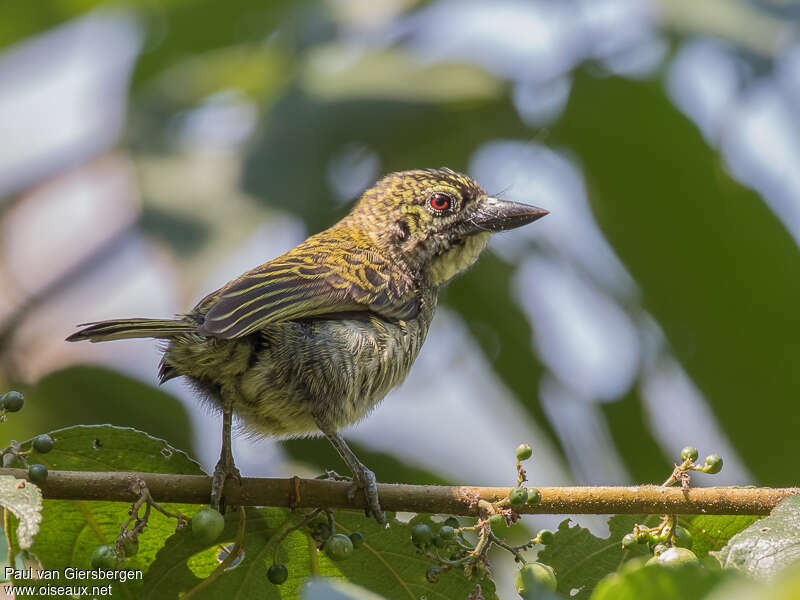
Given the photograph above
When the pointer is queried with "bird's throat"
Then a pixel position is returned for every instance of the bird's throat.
(456, 259)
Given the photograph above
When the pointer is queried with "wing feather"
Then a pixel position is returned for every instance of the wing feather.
(303, 284)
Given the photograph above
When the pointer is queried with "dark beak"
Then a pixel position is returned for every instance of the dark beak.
(495, 215)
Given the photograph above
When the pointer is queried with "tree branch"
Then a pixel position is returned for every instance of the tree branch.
(456, 500)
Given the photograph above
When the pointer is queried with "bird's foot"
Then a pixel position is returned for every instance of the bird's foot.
(364, 479)
(225, 469)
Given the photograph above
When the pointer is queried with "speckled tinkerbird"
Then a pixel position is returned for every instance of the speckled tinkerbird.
(312, 340)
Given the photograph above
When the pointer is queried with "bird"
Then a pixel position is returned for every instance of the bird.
(311, 341)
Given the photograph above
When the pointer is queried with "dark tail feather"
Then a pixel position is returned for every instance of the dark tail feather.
(120, 329)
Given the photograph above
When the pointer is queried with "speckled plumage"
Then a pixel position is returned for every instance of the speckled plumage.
(312, 340)
(323, 332)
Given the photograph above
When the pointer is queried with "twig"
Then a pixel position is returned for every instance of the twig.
(455, 500)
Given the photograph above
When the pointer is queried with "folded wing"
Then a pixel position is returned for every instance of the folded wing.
(304, 284)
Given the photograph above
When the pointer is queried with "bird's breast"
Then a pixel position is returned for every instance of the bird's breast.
(329, 370)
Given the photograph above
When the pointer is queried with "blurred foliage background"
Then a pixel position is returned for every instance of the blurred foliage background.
(152, 150)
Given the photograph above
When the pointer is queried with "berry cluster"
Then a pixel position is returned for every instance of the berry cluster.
(669, 543)
(12, 402)
(321, 526)
(206, 525)
(450, 548)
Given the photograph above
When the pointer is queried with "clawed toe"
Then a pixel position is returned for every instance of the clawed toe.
(365, 480)
(353, 490)
(222, 472)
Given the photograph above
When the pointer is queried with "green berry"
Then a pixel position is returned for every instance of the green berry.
(546, 536)
(447, 533)
(339, 547)
(659, 549)
(534, 496)
(433, 574)
(689, 453)
(207, 525)
(634, 564)
(499, 525)
(421, 535)
(105, 557)
(497, 520)
(437, 541)
(518, 496)
(524, 452)
(642, 536)
(357, 538)
(37, 474)
(12, 401)
(452, 522)
(277, 574)
(130, 545)
(629, 540)
(532, 578)
(682, 537)
(43, 443)
(673, 557)
(713, 464)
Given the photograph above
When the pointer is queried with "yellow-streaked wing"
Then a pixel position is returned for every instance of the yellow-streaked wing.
(301, 284)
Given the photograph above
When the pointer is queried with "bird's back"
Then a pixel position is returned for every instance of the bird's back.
(335, 271)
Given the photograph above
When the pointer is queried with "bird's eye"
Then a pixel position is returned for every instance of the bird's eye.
(440, 202)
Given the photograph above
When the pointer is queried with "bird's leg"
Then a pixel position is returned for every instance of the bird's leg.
(363, 478)
(226, 466)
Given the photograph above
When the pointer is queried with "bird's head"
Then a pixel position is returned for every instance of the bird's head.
(437, 220)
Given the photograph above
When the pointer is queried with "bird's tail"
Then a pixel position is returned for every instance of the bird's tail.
(120, 329)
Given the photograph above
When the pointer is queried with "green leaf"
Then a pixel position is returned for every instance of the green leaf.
(655, 582)
(784, 587)
(84, 394)
(712, 532)
(387, 563)
(716, 268)
(174, 571)
(112, 448)
(769, 545)
(390, 565)
(25, 501)
(581, 559)
(72, 529)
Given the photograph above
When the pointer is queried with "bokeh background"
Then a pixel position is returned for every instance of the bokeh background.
(152, 150)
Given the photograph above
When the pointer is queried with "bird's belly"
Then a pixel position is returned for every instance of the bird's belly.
(294, 376)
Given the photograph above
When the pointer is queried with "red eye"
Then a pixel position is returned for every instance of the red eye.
(440, 202)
